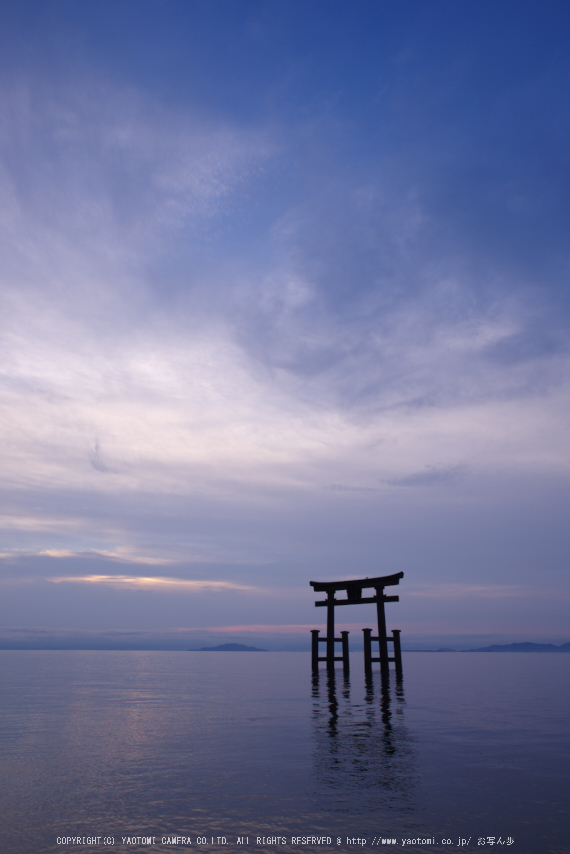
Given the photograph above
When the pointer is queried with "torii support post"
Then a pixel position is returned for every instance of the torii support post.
(384, 662)
(354, 596)
(397, 651)
(315, 657)
(345, 658)
(315, 648)
(367, 638)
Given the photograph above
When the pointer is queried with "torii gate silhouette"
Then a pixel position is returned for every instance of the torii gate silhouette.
(354, 596)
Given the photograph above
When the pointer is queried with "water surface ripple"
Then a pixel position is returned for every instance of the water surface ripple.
(127, 744)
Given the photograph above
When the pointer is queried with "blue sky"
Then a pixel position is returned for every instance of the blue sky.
(284, 297)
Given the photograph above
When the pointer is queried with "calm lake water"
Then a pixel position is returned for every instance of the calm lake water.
(107, 746)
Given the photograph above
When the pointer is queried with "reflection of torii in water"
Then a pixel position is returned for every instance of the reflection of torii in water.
(354, 596)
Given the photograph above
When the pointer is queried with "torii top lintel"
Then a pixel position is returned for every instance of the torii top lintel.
(354, 589)
(380, 581)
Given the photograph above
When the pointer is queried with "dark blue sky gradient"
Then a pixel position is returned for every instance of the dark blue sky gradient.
(285, 296)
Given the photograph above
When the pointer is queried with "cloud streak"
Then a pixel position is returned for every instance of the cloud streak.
(157, 583)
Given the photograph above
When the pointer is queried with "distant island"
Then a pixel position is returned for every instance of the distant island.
(524, 647)
(229, 647)
(506, 647)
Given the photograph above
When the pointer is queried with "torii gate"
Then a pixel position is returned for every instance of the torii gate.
(354, 596)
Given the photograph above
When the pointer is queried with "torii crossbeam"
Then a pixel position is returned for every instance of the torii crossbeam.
(354, 596)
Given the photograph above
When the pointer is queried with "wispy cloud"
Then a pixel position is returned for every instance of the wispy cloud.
(430, 476)
(157, 583)
(293, 629)
(121, 555)
(462, 590)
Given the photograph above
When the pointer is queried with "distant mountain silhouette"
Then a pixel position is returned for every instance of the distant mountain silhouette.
(230, 647)
(524, 647)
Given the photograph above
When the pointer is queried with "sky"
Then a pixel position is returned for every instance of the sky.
(284, 297)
